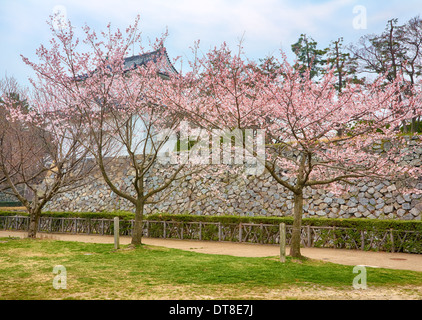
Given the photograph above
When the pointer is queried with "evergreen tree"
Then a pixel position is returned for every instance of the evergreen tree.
(345, 67)
(309, 57)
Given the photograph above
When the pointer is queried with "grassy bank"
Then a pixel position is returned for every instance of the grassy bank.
(97, 271)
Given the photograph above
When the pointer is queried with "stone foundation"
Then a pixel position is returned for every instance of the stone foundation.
(240, 195)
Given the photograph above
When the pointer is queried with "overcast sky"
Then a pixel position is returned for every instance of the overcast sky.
(266, 26)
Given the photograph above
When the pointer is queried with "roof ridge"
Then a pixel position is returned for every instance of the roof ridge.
(144, 58)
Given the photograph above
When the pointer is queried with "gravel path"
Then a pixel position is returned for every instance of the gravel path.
(341, 256)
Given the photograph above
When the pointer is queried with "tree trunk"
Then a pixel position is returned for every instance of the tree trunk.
(297, 223)
(34, 219)
(137, 228)
(404, 126)
(413, 126)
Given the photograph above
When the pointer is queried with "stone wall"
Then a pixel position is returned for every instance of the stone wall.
(251, 195)
(4, 197)
(7, 197)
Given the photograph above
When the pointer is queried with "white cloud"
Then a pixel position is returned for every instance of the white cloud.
(267, 25)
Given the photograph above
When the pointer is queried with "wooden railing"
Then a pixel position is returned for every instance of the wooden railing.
(311, 236)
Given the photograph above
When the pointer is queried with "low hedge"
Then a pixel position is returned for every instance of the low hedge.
(364, 234)
(356, 223)
(10, 204)
(349, 238)
(124, 215)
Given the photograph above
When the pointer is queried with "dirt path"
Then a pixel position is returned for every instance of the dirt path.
(341, 256)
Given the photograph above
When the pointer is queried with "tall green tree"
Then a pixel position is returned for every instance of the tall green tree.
(343, 65)
(309, 58)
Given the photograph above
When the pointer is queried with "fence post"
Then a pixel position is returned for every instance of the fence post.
(261, 228)
(164, 232)
(282, 242)
(392, 240)
(219, 231)
(200, 230)
(308, 227)
(334, 237)
(240, 232)
(116, 233)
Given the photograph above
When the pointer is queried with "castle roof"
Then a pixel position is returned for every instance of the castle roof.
(133, 62)
(154, 56)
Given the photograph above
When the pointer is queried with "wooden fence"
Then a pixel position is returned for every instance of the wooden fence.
(311, 236)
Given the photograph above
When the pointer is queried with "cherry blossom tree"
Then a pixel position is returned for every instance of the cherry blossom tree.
(300, 117)
(39, 158)
(118, 102)
(9, 87)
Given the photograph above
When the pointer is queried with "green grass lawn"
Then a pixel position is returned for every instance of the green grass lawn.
(97, 271)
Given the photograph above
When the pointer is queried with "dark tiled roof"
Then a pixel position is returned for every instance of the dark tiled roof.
(154, 56)
(141, 60)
